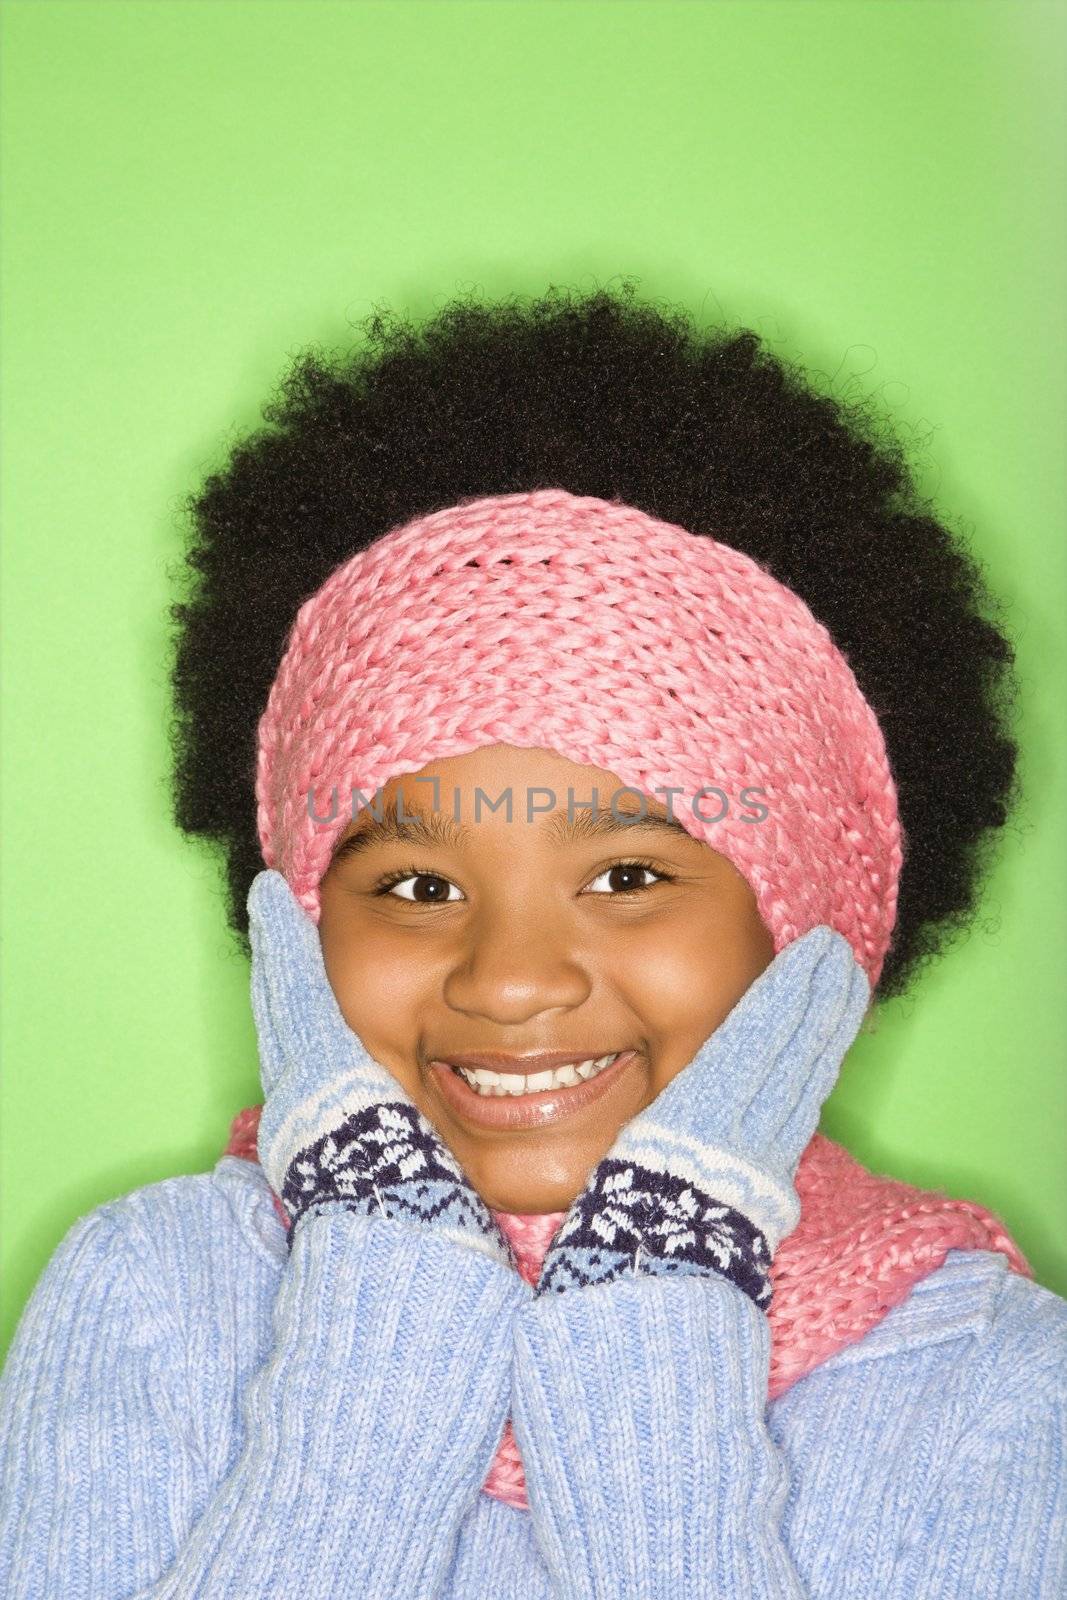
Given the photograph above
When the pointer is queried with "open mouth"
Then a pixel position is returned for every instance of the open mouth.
(488, 1084)
(511, 1100)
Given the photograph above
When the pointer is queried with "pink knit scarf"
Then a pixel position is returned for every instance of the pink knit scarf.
(861, 1243)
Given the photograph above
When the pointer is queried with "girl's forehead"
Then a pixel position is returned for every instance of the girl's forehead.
(506, 760)
(508, 795)
(511, 782)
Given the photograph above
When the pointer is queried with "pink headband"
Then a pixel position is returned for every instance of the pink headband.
(585, 627)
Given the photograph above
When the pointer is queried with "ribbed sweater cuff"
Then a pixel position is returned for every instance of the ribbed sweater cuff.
(638, 1408)
(371, 1426)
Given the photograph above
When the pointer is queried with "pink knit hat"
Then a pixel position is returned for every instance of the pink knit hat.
(586, 627)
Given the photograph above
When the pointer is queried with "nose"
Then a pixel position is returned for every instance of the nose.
(514, 966)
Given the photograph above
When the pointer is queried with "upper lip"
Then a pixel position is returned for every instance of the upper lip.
(545, 1061)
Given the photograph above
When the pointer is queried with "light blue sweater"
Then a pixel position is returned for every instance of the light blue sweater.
(188, 1411)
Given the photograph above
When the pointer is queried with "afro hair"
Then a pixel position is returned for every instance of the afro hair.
(602, 394)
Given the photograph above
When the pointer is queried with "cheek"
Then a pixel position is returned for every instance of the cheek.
(684, 986)
(670, 977)
(381, 991)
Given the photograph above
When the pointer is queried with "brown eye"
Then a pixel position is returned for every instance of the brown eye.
(624, 878)
(426, 888)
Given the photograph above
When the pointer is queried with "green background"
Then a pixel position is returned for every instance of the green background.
(193, 191)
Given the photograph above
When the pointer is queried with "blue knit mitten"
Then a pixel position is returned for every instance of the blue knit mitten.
(336, 1127)
(701, 1181)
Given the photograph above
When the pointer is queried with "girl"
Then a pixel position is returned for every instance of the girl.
(596, 726)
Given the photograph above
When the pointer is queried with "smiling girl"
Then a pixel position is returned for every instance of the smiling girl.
(594, 932)
(596, 727)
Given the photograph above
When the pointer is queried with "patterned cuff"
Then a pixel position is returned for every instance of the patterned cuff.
(386, 1161)
(632, 1219)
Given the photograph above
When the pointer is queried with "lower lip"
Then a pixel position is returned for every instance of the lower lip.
(525, 1110)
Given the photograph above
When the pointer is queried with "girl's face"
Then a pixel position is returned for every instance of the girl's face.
(465, 933)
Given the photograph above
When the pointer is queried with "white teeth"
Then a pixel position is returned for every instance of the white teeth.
(500, 1083)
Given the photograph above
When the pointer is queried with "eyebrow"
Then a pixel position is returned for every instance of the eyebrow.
(437, 829)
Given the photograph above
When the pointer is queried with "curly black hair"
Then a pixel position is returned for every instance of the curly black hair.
(603, 394)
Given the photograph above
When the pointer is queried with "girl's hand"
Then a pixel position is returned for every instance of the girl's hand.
(336, 1127)
(701, 1181)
